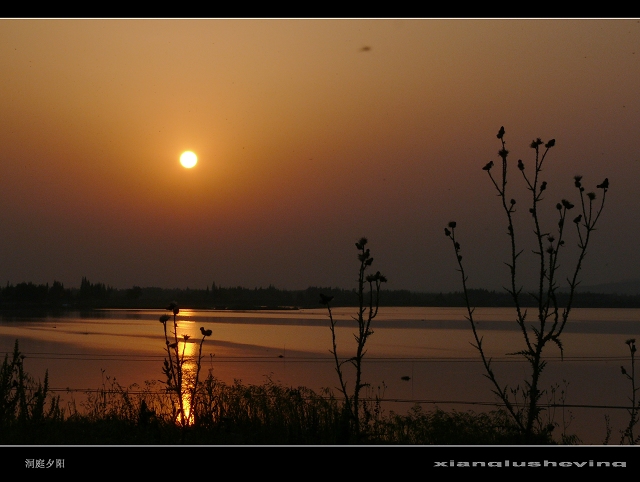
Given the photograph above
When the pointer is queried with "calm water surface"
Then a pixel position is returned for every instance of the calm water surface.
(432, 346)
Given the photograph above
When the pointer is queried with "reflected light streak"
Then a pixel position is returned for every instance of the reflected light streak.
(189, 353)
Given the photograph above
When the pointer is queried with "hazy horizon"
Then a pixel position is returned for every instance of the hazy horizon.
(309, 134)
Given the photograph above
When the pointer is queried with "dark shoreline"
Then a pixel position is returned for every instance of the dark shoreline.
(273, 299)
(27, 296)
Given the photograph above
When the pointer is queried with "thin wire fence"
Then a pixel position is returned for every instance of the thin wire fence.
(321, 359)
(302, 359)
(130, 391)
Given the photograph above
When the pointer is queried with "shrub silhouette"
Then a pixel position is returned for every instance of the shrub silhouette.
(523, 403)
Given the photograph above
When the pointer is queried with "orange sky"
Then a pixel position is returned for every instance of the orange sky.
(307, 141)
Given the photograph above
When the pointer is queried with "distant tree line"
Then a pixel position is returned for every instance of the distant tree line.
(99, 295)
(30, 294)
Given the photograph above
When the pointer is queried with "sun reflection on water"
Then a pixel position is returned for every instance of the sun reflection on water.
(189, 351)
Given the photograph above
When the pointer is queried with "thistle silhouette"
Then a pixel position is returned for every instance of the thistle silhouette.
(366, 313)
(182, 386)
(551, 319)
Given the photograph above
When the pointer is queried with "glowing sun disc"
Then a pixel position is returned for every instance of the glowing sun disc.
(188, 159)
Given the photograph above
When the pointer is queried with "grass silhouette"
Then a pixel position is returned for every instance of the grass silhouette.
(226, 414)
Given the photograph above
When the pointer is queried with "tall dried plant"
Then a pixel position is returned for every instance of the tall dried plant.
(367, 311)
(182, 386)
(628, 435)
(551, 317)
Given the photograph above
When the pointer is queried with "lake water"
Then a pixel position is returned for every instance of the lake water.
(431, 346)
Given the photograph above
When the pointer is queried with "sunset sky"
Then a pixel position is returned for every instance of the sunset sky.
(309, 134)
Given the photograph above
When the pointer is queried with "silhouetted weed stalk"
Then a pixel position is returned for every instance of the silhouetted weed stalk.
(627, 434)
(180, 381)
(551, 318)
(367, 311)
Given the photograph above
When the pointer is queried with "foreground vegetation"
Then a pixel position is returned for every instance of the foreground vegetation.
(551, 314)
(225, 414)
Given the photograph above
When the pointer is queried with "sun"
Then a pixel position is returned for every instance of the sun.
(188, 159)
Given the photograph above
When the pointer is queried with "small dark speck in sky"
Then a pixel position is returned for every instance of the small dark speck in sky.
(366, 48)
